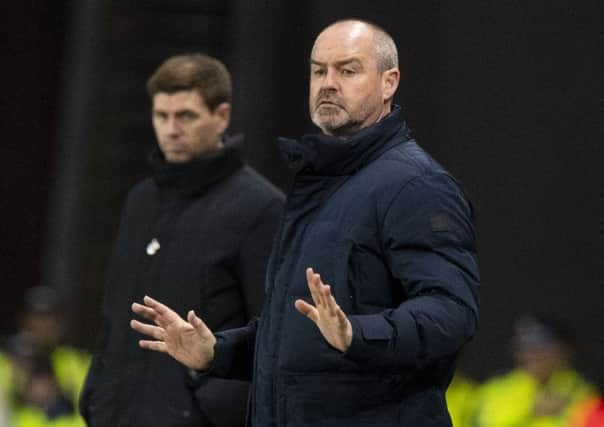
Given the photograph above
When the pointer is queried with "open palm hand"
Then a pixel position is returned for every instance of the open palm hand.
(190, 342)
(326, 313)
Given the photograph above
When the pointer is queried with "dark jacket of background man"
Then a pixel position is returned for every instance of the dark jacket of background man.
(214, 219)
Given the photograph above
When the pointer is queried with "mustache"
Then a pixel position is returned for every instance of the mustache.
(326, 96)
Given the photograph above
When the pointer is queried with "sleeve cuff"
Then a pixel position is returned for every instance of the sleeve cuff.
(221, 364)
(376, 341)
(368, 332)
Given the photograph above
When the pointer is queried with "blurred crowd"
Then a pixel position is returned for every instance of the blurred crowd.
(543, 389)
(41, 377)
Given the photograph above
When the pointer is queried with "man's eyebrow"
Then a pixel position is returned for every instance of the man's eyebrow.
(176, 112)
(337, 63)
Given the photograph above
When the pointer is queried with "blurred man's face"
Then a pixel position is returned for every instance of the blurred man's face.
(542, 361)
(45, 329)
(347, 91)
(42, 390)
(184, 126)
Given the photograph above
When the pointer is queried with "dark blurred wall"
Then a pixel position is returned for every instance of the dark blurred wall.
(32, 40)
(524, 120)
(507, 95)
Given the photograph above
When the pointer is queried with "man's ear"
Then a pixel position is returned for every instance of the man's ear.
(222, 112)
(390, 81)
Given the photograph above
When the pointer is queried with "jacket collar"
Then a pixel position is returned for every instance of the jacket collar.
(196, 175)
(325, 155)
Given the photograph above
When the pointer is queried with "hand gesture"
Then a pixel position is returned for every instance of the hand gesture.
(326, 313)
(191, 343)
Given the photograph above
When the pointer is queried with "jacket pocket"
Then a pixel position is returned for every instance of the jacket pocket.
(223, 402)
(171, 396)
(351, 260)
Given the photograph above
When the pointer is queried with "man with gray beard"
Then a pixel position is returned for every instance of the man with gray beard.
(373, 282)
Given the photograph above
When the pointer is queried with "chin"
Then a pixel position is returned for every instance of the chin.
(330, 125)
(177, 159)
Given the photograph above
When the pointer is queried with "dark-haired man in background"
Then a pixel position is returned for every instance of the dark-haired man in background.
(392, 234)
(197, 233)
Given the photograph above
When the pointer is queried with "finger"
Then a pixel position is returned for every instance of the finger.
(324, 293)
(342, 318)
(315, 292)
(144, 311)
(150, 330)
(160, 308)
(199, 325)
(153, 345)
(307, 310)
(332, 305)
(318, 286)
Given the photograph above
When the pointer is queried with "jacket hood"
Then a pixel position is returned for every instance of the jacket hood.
(319, 154)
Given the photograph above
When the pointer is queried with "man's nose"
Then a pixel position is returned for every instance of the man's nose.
(172, 126)
(330, 81)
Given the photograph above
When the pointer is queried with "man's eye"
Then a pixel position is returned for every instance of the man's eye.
(318, 72)
(187, 116)
(160, 116)
(347, 72)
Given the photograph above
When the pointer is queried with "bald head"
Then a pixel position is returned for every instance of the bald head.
(353, 78)
(386, 54)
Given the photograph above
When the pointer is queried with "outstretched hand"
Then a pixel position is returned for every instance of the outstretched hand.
(190, 342)
(326, 313)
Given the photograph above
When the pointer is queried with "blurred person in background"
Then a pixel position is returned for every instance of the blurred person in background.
(588, 413)
(543, 388)
(461, 397)
(43, 403)
(6, 381)
(198, 233)
(4, 408)
(44, 375)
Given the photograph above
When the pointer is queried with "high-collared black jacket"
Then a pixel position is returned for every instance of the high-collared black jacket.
(392, 233)
(194, 236)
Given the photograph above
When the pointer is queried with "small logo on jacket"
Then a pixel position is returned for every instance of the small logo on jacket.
(153, 247)
(439, 222)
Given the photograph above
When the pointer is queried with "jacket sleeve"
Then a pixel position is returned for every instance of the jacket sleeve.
(254, 255)
(234, 353)
(429, 242)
